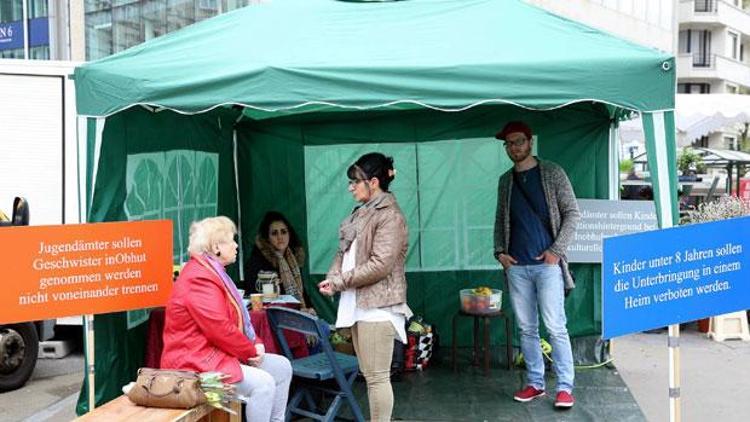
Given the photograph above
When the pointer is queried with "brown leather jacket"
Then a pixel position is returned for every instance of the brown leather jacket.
(382, 241)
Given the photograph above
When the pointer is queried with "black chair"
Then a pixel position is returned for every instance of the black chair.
(328, 372)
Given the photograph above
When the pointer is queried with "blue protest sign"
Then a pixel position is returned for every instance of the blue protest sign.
(654, 279)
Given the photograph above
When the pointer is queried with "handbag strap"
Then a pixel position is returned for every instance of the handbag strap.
(528, 201)
(176, 388)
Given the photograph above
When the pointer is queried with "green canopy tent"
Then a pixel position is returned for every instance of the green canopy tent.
(265, 107)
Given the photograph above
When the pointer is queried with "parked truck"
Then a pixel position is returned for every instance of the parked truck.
(40, 159)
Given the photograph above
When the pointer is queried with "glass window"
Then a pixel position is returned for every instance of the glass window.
(98, 35)
(96, 5)
(115, 25)
(234, 4)
(126, 26)
(11, 10)
(154, 19)
(38, 9)
(39, 53)
(180, 13)
(734, 45)
(206, 9)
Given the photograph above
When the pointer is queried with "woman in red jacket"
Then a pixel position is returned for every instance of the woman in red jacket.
(207, 327)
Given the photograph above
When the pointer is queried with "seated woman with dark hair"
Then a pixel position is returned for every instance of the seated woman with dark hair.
(278, 249)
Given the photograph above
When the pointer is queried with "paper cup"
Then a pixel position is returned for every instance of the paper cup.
(256, 300)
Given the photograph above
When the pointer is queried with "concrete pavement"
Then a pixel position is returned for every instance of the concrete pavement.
(714, 375)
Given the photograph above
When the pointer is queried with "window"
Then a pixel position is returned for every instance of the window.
(734, 45)
(705, 5)
(126, 26)
(115, 25)
(730, 142)
(11, 11)
(98, 35)
(694, 88)
(699, 43)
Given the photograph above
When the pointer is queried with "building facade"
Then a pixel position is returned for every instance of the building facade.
(115, 25)
(647, 22)
(712, 42)
(712, 55)
(34, 29)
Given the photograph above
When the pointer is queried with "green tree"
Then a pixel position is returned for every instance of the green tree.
(690, 160)
(626, 165)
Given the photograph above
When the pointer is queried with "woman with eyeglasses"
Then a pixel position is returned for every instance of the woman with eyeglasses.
(278, 249)
(368, 271)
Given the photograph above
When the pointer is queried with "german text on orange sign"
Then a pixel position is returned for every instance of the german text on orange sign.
(54, 271)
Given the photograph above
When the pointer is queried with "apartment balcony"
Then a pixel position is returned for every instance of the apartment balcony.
(713, 13)
(713, 66)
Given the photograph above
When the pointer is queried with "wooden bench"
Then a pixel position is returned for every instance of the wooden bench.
(122, 409)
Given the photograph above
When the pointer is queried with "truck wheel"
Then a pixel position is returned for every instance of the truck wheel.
(19, 349)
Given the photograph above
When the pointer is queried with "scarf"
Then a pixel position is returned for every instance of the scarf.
(357, 220)
(229, 284)
(287, 264)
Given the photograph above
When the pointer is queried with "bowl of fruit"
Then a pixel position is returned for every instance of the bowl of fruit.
(481, 300)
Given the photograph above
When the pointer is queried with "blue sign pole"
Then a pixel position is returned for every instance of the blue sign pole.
(659, 278)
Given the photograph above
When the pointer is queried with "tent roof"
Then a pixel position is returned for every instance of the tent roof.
(292, 56)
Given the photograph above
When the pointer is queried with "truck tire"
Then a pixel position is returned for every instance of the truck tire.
(19, 349)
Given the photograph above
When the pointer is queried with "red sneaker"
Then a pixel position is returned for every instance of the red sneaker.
(564, 400)
(527, 394)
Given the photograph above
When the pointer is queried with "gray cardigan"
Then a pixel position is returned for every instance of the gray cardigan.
(563, 212)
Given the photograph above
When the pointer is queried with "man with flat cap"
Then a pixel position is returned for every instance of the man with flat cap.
(535, 221)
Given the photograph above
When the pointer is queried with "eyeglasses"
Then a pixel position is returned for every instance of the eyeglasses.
(516, 143)
(354, 182)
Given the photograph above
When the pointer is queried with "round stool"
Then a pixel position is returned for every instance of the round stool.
(486, 318)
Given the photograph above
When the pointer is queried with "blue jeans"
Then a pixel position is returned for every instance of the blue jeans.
(535, 288)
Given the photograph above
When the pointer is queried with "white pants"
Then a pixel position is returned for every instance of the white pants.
(267, 387)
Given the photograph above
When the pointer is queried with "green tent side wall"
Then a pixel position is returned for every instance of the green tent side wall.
(120, 351)
(565, 135)
(271, 175)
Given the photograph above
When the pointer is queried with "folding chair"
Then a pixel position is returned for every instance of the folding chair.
(313, 372)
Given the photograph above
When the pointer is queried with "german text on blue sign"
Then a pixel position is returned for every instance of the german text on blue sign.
(654, 279)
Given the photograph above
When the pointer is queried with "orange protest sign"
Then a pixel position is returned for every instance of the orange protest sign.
(55, 271)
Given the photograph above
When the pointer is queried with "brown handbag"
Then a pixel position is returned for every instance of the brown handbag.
(167, 388)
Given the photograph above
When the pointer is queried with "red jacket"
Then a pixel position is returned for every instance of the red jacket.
(203, 325)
